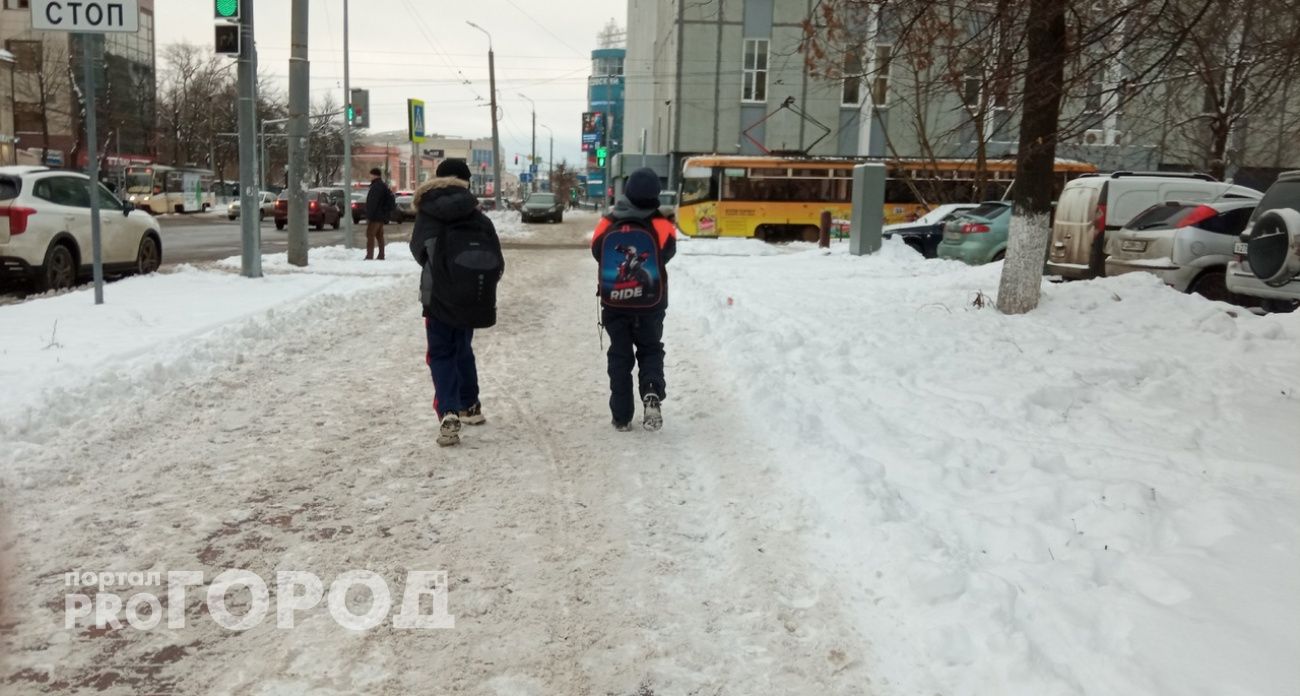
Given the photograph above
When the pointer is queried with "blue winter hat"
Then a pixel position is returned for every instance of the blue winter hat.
(642, 188)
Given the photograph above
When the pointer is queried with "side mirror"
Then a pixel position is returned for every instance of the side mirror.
(127, 207)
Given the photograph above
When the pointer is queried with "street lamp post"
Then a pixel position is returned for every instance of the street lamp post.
(532, 159)
(347, 134)
(496, 138)
(550, 161)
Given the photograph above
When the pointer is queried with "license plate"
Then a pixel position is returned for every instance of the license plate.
(1133, 245)
(1239, 248)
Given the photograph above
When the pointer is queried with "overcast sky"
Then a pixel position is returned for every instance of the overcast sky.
(423, 49)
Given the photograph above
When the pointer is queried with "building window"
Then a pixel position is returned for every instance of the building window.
(28, 55)
(16, 4)
(1092, 99)
(880, 85)
(851, 90)
(28, 117)
(754, 74)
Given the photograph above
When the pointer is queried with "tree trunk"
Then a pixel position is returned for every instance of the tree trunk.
(1022, 274)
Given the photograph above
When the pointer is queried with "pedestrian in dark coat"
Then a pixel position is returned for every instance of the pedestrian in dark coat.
(457, 246)
(380, 204)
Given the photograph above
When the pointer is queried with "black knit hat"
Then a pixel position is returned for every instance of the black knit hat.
(454, 167)
(642, 188)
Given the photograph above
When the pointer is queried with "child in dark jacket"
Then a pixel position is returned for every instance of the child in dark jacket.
(636, 333)
(458, 248)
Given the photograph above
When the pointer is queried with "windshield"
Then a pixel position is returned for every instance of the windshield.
(1282, 194)
(696, 190)
(139, 182)
(542, 199)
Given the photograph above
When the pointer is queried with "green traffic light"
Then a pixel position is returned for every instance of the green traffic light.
(227, 9)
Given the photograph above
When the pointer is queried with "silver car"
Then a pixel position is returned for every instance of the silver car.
(1278, 294)
(266, 203)
(1188, 245)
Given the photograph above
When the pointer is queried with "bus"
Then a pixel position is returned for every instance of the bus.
(782, 198)
(162, 189)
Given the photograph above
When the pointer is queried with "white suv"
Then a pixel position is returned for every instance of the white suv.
(1267, 257)
(45, 229)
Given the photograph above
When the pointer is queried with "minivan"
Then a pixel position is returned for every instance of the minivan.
(1092, 205)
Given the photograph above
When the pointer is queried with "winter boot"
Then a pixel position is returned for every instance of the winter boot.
(654, 419)
(622, 427)
(473, 415)
(449, 430)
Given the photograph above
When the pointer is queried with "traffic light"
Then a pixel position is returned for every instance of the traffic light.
(227, 38)
(359, 108)
(601, 153)
(227, 9)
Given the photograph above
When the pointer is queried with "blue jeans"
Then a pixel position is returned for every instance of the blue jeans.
(635, 341)
(451, 362)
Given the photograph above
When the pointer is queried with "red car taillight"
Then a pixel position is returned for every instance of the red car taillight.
(1199, 214)
(313, 206)
(17, 218)
(282, 205)
(974, 228)
(1099, 222)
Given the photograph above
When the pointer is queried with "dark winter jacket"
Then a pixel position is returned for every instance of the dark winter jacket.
(380, 202)
(667, 239)
(444, 206)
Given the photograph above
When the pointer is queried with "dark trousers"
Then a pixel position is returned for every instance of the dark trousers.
(635, 340)
(451, 362)
(374, 237)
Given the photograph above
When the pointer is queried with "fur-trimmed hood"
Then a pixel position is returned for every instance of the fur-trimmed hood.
(445, 198)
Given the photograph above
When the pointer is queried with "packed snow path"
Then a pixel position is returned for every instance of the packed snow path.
(581, 560)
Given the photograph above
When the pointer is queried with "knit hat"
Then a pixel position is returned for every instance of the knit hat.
(642, 188)
(454, 167)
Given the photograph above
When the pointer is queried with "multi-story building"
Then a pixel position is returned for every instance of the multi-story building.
(732, 77)
(606, 96)
(45, 85)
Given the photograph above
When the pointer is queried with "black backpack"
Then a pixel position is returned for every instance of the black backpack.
(466, 264)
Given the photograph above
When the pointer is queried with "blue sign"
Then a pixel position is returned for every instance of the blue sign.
(532, 169)
(525, 178)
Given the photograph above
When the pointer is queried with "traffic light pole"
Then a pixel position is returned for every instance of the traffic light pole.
(299, 75)
(347, 135)
(249, 200)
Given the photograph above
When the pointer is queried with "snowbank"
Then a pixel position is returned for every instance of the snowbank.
(63, 359)
(337, 260)
(1098, 497)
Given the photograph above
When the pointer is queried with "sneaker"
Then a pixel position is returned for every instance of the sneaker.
(449, 430)
(654, 419)
(623, 427)
(473, 415)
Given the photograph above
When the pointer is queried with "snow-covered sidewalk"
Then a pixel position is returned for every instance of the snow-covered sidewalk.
(866, 484)
(1099, 497)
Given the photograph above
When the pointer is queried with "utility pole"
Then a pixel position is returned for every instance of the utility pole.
(550, 162)
(92, 163)
(250, 226)
(532, 158)
(299, 76)
(347, 135)
(496, 138)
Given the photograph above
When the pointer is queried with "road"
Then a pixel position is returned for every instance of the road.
(205, 237)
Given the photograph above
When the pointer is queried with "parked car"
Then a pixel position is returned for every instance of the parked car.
(266, 206)
(1266, 258)
(542, 206)
(45, 230)
(1093, 205)
(358, 207)
(1187, 245)
(321, 210)
(978, 235)
(405, 205)
(925, 234)
(486, 203)
(668, 205)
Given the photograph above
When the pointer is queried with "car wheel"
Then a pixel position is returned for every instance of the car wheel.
(148, 258)
(231, 217)
(1000, 256)
(1212, 285)
(59, 270)
(261, 216)
(320, 225)
(337, 221)
(559, 218)
(279, 224)
(205, 207)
